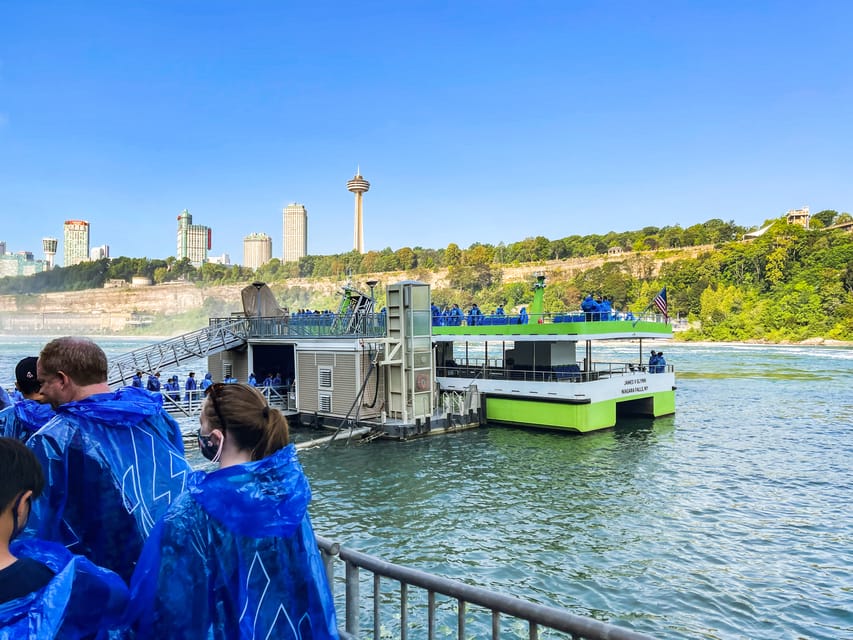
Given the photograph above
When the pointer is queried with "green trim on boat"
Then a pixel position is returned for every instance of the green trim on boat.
(572, 416)
(581, 329)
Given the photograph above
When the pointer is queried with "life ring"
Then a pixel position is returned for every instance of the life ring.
(421, 382)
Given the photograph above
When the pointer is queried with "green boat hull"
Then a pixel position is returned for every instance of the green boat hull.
(577, 417)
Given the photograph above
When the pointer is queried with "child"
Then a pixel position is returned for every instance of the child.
(45, 591)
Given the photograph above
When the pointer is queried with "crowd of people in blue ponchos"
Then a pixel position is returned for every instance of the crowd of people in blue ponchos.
(453, 316)
(592, 309)
(106, 531)
(194, 391)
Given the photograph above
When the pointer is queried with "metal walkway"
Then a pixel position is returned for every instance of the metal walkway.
(220, 336)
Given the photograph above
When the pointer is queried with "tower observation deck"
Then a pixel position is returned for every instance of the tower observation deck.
(358, 186)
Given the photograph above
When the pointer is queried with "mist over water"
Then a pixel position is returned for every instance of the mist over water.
(730, 519)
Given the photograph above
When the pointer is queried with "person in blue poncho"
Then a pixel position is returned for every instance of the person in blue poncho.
(28, 415)
(235, 556)
(137, 381)
(207, 381)
(5, 399)
(153, 383)
(114, 460)
(190, 387)
(45, 590)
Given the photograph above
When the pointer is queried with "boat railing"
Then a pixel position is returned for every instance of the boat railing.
(549, 317)
(188, 403)
(280, 397)
(438, 604)
(488, 370)
(321, 325)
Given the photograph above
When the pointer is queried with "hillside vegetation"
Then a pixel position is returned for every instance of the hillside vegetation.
(789, 284)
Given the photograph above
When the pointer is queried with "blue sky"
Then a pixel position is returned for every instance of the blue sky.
(473, 121)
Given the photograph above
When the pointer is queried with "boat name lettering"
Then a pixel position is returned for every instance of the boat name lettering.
(634, 385)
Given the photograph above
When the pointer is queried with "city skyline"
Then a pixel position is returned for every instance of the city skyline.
(480, 122)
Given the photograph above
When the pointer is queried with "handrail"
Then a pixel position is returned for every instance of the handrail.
(219, 336)
(536, 615)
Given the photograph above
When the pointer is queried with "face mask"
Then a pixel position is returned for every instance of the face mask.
(208, 449)
(15, 530)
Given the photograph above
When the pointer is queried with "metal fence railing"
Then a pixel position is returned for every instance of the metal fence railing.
(526, 614)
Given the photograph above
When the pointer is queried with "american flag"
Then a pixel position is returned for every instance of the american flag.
(660, 302)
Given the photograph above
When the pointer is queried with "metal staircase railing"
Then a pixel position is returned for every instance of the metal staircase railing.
(220, 336)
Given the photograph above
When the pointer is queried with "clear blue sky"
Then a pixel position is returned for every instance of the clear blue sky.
(474, 121)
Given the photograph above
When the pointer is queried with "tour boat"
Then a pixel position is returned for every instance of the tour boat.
(539, 369)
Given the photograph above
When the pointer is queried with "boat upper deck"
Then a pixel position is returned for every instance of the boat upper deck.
(556, 327)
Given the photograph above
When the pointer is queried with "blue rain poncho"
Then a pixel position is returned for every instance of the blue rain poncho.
(24, 418)
(235, 557)
(81, 601)
(5, 399)
(113, 463)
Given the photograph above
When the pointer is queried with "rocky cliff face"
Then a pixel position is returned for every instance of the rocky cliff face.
(102, 310)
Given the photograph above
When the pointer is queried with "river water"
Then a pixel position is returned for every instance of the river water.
(730, 519)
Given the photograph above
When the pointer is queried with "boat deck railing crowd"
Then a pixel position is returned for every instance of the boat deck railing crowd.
(373, 325)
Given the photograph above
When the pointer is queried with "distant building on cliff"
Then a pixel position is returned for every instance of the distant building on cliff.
(257, 250)
(21, 263)
(76, 242)
(223, 259)
(295, 235)
(194, 240)
(801, 217)
(98, 253)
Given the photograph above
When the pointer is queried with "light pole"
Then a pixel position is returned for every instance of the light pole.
(372, 284)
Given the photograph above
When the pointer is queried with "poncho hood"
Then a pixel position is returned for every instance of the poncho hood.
(128, 406)
(32, 414)
(266, 498)
(64, 608)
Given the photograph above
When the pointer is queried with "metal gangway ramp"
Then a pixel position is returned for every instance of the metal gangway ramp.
(219, 336)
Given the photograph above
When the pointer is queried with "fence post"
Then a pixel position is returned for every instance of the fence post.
(352, 599)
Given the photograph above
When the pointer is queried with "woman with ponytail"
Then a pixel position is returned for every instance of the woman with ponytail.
(235, 555)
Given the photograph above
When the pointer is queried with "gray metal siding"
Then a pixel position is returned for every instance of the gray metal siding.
(344, 382)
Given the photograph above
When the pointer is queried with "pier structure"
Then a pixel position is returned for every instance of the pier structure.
(359, 186)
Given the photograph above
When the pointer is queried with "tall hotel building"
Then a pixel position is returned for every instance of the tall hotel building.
(257, 250)
(194, 240)
(295, 236)
(76, 242)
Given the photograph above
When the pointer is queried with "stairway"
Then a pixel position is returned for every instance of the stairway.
(189, 346)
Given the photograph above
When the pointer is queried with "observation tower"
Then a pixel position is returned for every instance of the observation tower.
(358, 186)
(49, 247)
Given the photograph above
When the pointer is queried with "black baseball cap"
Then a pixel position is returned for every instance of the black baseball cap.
(26, 377)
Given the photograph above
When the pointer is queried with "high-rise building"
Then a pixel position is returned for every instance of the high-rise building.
(20, 264)
(76, 242)
(2, 247)
(358, 186)
(257, 250)
(98, 253)
(295, 235)
(48, 245)
(194, 240)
